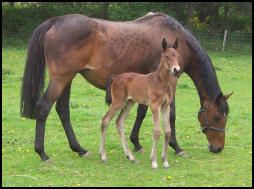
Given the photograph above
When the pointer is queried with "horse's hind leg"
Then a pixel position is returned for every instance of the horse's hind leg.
(104, 124)
(120, 128)
(63, 110)
(43, 108)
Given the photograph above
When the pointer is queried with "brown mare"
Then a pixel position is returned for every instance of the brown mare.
(97, 49)
(152, 89)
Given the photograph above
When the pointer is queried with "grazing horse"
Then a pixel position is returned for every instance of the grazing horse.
(96, 49)
(152, 89)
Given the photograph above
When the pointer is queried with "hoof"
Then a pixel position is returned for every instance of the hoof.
(134, 161)
(104, 160)
(48, 161)
(87, 154)
(183, 154)
(155, 167)
(141, 149)
(44, 157)
(166, 166)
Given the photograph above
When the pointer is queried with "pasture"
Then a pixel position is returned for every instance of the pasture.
(21, 166)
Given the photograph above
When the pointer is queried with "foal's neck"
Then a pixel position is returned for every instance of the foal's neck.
(164, 75)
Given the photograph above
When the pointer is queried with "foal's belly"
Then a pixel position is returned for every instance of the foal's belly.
(138, 89)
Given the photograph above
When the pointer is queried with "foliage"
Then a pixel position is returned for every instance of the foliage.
(196, 25)
(21, 166)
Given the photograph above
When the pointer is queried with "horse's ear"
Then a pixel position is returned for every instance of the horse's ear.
(175, 45)
(164, 44)
(228, 95)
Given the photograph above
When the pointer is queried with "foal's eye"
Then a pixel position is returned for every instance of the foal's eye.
(166, 57)
(217, 119)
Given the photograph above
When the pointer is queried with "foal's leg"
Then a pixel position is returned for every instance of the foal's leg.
(44, 105)
(63, 110)
(104, 124)
(141, 113)
(156, 134)
(120, 128)
(167, 133)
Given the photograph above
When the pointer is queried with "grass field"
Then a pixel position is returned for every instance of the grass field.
(21, 166)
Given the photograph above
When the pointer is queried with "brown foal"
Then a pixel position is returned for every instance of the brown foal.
(152, 89)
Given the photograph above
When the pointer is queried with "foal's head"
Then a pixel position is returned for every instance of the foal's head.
(170, 56)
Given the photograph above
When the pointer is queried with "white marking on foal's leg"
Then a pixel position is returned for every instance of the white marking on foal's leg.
(153, 153)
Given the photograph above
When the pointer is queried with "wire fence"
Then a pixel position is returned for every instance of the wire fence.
(235, 42)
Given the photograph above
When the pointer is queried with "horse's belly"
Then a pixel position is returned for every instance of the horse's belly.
(96, 78)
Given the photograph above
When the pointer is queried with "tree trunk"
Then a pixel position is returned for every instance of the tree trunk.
(104, 10)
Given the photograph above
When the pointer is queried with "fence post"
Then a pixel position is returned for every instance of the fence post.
(224, 40)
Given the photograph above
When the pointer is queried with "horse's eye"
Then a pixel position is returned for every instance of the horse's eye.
(217, 119)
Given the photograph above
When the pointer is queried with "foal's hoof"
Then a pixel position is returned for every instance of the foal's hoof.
(87, 154)
(183, 154)
(134, 161)
(140, 149)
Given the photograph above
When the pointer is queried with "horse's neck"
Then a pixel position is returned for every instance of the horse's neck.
(205, 81)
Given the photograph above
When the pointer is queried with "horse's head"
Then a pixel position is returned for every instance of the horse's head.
(213, 118)
(170, 56)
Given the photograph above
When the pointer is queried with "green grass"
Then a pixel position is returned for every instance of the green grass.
(21, 166)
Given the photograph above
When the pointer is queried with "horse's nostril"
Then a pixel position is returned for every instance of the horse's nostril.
(213, 149)
(176, 72)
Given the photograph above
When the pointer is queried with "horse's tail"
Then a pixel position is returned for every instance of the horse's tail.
(108, 89)
(34, 74)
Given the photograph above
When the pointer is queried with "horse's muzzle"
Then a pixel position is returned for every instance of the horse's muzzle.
(176, 72)
(215, 149)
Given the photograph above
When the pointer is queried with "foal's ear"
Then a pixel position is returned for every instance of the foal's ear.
(175, 45)
(164, 44)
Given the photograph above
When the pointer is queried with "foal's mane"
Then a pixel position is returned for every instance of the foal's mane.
(207, 70)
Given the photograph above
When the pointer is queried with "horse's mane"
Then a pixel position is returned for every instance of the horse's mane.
(207, 70)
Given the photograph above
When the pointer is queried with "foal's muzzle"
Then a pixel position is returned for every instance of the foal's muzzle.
(176, 72)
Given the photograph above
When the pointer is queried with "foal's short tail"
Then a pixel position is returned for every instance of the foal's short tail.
(108, 89)
(33, 79)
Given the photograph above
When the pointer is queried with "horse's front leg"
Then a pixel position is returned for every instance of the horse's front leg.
(167, 133)
(63, 110)
(172, 140)
(141, 113)
(156, 133)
